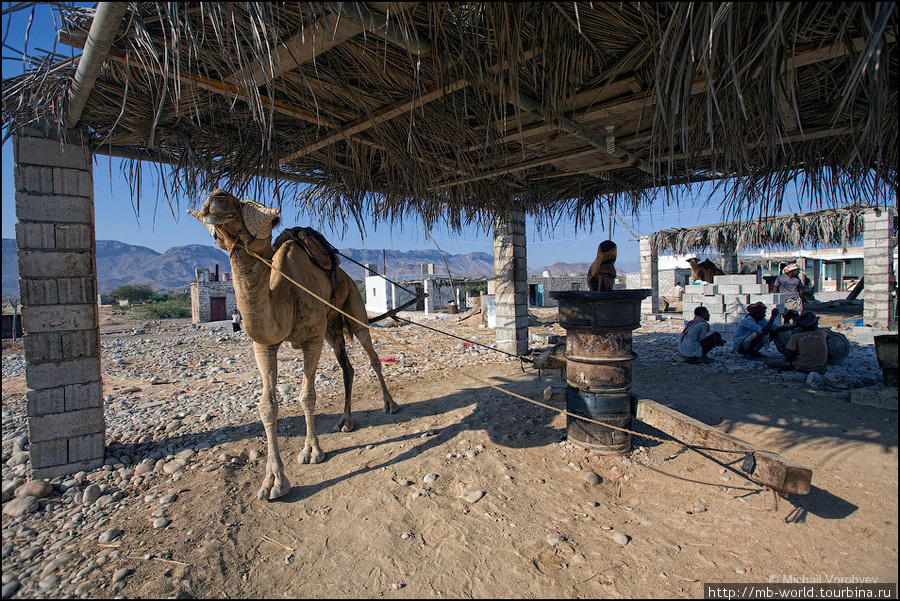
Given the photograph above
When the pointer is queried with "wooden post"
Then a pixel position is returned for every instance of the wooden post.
(768, 469)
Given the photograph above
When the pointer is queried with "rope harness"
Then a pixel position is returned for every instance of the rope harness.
(513, 394)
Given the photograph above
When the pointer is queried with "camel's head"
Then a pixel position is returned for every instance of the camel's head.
(694, 261)
(230, 220)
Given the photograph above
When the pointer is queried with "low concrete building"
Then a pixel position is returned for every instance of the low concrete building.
(212, 300)
(540, 287)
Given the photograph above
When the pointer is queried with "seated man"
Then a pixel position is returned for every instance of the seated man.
(696, 339)
(754, 331)
(807, 351)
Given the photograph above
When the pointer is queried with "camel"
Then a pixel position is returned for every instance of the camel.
(705, 271)
(602, 273)
(275, 310)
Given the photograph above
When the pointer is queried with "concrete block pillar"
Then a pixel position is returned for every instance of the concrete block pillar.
(649, 276)
(729, 260)
(879, 266)
(511, 283)
(58, 289)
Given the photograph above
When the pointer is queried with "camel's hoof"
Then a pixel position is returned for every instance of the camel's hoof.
(278, 491)
(311, 457)
(391, 407)
(344, 426)
(273, 491)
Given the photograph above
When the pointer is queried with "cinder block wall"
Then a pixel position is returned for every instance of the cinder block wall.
(58, 289)
(510, 283)
(727, 300)
(878, 270)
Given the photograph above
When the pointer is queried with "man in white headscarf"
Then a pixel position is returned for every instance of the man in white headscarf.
(789, 284)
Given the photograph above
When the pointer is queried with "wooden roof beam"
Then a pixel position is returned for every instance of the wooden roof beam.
(330, 31)
(378, 25)
(302, 47)
(807, 55)
(394, 110)
(105, 25)
(522, 101)
(203, 82)
(522, 166)
(383, 115)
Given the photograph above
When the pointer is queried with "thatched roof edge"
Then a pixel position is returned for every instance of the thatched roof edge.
(828, 227)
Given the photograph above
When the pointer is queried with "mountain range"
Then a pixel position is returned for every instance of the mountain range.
(119, 263)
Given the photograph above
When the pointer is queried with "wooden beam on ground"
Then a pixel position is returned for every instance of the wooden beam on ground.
(769, 469)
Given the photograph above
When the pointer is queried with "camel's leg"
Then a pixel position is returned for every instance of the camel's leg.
(365, 339)
(335, 337)
(275, 483)
(311, 452)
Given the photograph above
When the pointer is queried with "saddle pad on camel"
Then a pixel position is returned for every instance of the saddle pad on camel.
(323, 254)
(315, 244)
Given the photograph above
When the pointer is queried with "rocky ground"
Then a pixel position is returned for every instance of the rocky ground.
(466, 492)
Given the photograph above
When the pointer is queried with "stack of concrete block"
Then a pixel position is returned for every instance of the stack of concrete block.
(727, 300)
(58, 286)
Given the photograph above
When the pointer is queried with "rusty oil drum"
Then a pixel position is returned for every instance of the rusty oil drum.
(599, 360)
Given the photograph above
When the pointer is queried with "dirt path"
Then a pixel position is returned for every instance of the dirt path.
(365, 523)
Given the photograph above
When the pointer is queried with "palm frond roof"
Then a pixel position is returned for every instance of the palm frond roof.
(459, 112)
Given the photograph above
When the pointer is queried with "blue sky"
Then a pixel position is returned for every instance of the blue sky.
(155, 227)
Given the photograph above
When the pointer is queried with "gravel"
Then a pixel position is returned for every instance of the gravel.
(156, 432)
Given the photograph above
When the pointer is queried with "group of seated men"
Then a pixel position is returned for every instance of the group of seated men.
(806, 350)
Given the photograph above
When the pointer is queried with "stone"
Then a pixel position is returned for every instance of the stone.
(429, 478)
(20, 506)
(91, 494)
(10, 588)
(475, 496)
(880, 397)
(120, 574)
(172, 467)
(622, 539)
(18, 459)
(10, 486)
(593, 478)
(110, 535)
(160, 523)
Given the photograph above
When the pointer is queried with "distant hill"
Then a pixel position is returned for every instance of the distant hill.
(119, 263)
(397, 262)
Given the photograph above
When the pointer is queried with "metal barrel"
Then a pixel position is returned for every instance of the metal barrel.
(599, 360)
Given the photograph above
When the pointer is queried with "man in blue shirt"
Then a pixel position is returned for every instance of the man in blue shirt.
(754, 331)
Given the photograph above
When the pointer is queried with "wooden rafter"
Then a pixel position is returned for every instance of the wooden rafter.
(329, 31)
(584, 151)
(302, 47)
(203, 82)
(394, 110)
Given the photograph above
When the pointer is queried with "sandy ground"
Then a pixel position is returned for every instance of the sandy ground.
(365, 524)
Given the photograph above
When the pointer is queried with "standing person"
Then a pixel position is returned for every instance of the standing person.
(789, 283)
(754, 331)
(236, 321)
(696, 339)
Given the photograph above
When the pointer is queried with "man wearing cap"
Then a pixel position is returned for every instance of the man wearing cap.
(696, 339)
(754, 331)
(807, 350)
(789, 284)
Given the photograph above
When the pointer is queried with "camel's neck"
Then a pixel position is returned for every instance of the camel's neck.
(251, 278)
